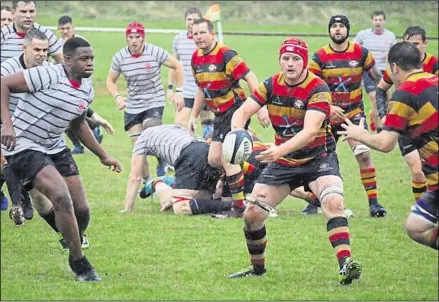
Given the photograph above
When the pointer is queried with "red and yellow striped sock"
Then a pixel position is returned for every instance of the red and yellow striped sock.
(368, 178)
(419, 188)
(236, 185)
(338, 231)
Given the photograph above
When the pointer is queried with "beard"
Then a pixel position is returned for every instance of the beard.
(338, 41)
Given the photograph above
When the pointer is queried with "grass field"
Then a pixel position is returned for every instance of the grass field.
(148, 255)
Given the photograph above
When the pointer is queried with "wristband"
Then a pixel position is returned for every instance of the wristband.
(170, 86)
(116, 96)
(178, 89)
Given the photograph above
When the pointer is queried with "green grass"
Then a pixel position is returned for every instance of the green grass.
(148, 255)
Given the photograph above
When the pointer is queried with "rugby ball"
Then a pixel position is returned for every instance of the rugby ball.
(237, 146)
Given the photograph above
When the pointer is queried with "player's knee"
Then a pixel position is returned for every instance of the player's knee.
(332, 200)
(362, 155)
(61, 201)
(254, 215)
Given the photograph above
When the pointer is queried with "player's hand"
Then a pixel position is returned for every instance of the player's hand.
(178, 101)
(170, 95)
(337, 114)
(352, 131)
(8, 136)
(192, 125)
(112, 163)
(121, 102)
(263, 117)
(107, 126)
(270, 155)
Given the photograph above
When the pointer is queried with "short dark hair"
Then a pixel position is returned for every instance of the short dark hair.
(64, 20)
(15, 2)
(378, 13)
(6, 8)
(209, 23)
(72, 44)
(414, 31)
(193, 10)
(406, 55)
(34, 33)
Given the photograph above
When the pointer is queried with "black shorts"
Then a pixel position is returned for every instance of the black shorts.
(192, 170)
(222, 123)
(27, 164)
(189, 103)
(405, 144)
(134, 119)
(275, 174)
(355, 120)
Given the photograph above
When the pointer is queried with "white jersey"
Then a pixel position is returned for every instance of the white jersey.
(377, 44)
(166, 142)
(142, 73)
(44, 113)
(11, 41)
(185, 46)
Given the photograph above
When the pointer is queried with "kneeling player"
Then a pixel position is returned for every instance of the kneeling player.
(195, 179)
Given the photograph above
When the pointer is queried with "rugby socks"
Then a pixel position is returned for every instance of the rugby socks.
(209, 206)
(236, 185)
(14, 186)
(256, 243)
(418, 189)
(50, 219)
(368, 178)
(248, 169)
(338, 231)
(83, 219)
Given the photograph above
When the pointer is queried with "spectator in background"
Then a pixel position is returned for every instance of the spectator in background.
(7, 15)
(378, 41)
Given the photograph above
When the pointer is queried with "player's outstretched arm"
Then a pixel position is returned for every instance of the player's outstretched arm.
(244, 113)
(112, 78)
(134, 180)
(173, 64)
(82, 130)
(384, 141)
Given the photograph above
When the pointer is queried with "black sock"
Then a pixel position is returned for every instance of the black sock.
(50, 219)
(14, 186)
(83, 219)
(209, 206)
(79, 266)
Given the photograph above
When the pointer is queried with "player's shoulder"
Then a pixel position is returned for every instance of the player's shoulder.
(389, 33)
(6, 31)
(43, 29)
(321, 52)
(316, 82)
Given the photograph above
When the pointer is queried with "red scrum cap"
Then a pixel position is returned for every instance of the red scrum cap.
(135, 28)
(296, 46)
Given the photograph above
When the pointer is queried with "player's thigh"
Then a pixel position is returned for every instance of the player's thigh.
(133, 131)
(181, 199)
(413, 160)
(66, 166)
(215, 154)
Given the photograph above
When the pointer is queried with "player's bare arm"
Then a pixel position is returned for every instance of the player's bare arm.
(134, 180)
(11, 83)
(177, 68)
(171, 79)
(384, 141)
(244, 113)
(112, 78)
(375, 74)
(199, 103)
(59, 58)
(82, 130)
